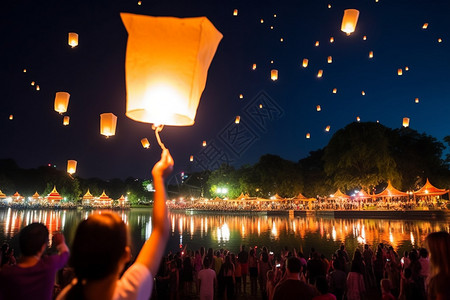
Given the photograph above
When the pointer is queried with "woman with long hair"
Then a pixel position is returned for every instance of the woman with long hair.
(438, 244)
(101, 250)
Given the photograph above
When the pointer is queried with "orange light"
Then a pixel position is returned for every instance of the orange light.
(308, 135)
(349, 20)
(317, 44)
(330, 59)
(11, 117)
(108, 122)
(371, 54)
(405, 122)
(274, 75)
(145, 143)
(425, 26)
(237, 120)
(71, 166)
(305, 63)
(66, 120)
(399, 72)
(73, 39)
(439, 40)
(235, 12)
(241, 96)
(331, 39)
(334, 90)
(318, 108)
(319, 74)
(364, 38)
(254, 67)
(363, 93)
(416, 100)
(327, 129)
(358, 119)
(204, 144)
(61, 101)
(191, 158)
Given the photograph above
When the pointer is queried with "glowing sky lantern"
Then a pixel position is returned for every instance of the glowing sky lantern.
(254, 67)
(406, 68)
(363, 93)
(237, 120)
(191, 158)
(145, 143)
(317, 44)
(260, 106)
(281, 40)
(358, 119)
(349, 20)
(24, 70)
(320, 74)
(330, 59)
(399, 72)
(73, 39)
(371, 54)
(425, 26)
(405, 122)
(71, 166)
(139, 2)
(204, 144)
(439, 40)
(416, 100)
(66, 120)
(61, 101)
(241, 96)
(334, 90)
(235, 12)
(331, 39)
(11, 117)
(327, 129)
(305, 63)
(274, 74)
(364, 38)
(33, 83)
(108, 122)
(318, 108)
(166, 65)
(262, 21)
(308, 135)
(329, 5)
(38, 88)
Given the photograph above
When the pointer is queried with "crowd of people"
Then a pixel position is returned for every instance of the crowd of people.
(100, 266)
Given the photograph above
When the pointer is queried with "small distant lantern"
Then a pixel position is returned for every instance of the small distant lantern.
(241, 96)
(271, 61)
(262, 21)
(191, 158)
(416, 100)
(308, 135)
(145, 143)
(406, 68)
(305, 63)
(254, 67)
(61, 102)
(11, 117)
(204, 144)
(319, 74)
(327, 129)
(271, 27)
(329, 5)
(405, 122)
(237, 120)
(235, 12)
(166, 66)
(281, 40)
(274, 74)
(260, 106)
(371, 54)
(24, 70)
(139, 2)
(71, 166)
(364, 38)
(331, 39)
(439, 40)
(334, 90)
(73, 39)
(38, 87)
(318, 108)
(358, 119)
(330, 59)
(66, 120)
(317, 44)
(349, 20)
(108, 122)
(399, 72)
(274, 15)
(363, 93)
(33, 83)
(425, 26)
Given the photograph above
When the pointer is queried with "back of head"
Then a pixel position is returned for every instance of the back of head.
(438, 244)
(423, 252)
(293, 264)
(32, 238)
(98, 245)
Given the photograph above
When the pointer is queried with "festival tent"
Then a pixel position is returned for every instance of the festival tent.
(122, 201)
(87, 198)
(17, 198)
(35, 197)
(104, 199)
(429, 190)
(362, 194)
(339, 195)
(390, 192)
(2, 196)
(54, 196)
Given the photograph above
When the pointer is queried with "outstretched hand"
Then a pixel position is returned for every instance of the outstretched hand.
(57, 239)
(164, 166)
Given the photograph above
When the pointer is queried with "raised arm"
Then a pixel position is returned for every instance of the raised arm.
(153, 249)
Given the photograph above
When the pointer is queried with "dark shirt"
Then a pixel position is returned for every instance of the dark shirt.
(243, 257)
(294, 289)
(34, 282)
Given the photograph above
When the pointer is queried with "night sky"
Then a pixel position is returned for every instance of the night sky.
(34, 37)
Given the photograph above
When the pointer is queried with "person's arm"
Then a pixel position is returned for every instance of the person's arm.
(60, 243)
(153, 249)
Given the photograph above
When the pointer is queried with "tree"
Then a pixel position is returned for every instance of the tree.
(316, 182)
(358, 156)
(224, 177)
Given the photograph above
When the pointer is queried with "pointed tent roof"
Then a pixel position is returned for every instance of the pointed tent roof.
(122, 198)
(217, 199)
(429, 190)
(300, 197)
(16, 194)
(278, 197)
(54, 195)
(241, 196)
(104, 197)
(339, 195)
(390, 191)
(35, 195)
(2, 195)
(363, 194)
(88, 195)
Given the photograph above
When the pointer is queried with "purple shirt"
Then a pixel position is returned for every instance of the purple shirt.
(34, 282)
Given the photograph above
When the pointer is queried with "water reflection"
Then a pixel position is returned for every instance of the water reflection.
(230, 231)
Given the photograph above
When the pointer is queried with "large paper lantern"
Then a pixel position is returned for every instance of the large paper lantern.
(274, 75)
(145, 143)
(61, 102)
(166, 66)
(66, 120)
(349, 20)
(71, 166)
(405, 122)
(108, 122)
(73, 39)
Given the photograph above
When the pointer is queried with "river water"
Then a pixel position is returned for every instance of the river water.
(229, 231)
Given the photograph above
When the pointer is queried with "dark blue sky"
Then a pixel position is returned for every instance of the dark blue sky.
(34, 36)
